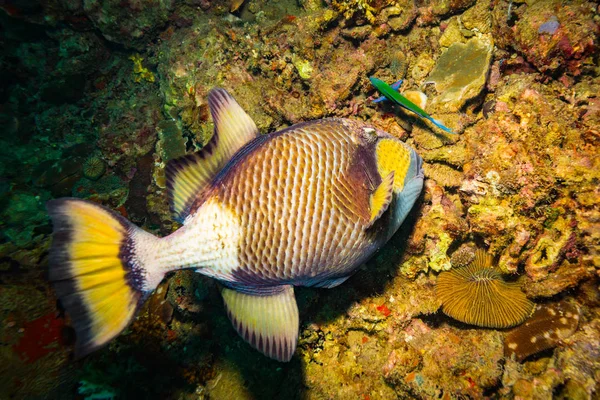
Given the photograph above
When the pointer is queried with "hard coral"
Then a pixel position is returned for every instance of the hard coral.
(93, 168)
(549, 324)
(478, 295)
(552, 35)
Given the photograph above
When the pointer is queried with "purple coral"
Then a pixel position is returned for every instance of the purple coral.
(549, 26)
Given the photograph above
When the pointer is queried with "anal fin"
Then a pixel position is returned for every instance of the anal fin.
(269, 322)
(380, 199)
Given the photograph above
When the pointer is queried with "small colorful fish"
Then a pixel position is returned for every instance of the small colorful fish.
(305, 206)
(391, 93)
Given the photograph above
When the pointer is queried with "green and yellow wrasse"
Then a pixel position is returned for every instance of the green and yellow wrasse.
(304, 206)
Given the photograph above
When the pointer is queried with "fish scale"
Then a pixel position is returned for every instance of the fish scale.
(261, 214)
(296, 249)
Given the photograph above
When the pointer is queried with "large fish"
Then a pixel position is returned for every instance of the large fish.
(304, 206)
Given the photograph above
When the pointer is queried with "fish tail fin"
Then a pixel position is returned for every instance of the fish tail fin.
(101, 267)
(440, 125)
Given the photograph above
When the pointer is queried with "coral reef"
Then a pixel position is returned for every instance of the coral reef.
(460, 73)
(93, 168)
(125, 83)
(478, 295)
(549, 325)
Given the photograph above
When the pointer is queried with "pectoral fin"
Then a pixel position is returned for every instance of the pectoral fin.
(268, 323)
(380, 199)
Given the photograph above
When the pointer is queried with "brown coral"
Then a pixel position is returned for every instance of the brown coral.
(478, 295)
(549, 324)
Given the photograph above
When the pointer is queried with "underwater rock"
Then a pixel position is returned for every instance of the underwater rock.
(359, 12)
(21, 215)
(460, 73)
(171, 144)
(422, 66)
(548, 251)
(452, 33)
(432, 11)
(128, 22)
(229, 383)
(444, 175)
(547, 327)
(356, 33)
(478, 295)
(454, 155)
(509, 258)
(478, 19)
(492, 217)
(401, 16)
(81, 53)
(58, 176)
(444, 360)
(552, 35)
(463, 256)
(436, 230)
(109, 190)
(580, 362)
(304, 67)
(566, 276)
(186, 291)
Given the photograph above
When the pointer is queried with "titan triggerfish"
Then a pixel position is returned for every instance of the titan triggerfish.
(304, 206)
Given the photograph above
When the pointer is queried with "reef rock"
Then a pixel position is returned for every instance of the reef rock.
(130, 23)
(551, 35)
(460, 73)
(426, 358)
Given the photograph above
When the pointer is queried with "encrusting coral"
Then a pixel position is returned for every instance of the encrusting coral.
(547, 327)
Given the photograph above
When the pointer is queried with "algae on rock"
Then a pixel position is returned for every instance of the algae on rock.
(460, 73)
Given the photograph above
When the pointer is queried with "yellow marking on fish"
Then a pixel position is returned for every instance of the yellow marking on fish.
(393, 156)
(381, 197)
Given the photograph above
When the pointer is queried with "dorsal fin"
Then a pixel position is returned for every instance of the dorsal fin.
(189, 175)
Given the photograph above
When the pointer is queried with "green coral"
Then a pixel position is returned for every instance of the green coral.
(366, 8)
(140, 73)
(303, 67)
(171, 144)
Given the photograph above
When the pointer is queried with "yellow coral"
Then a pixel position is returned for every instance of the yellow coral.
(140, 72)
(350, 7)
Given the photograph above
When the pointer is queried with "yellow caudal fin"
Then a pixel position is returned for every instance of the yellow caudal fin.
(96, 270)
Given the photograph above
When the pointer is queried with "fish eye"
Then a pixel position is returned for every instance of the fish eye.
(369, 135)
